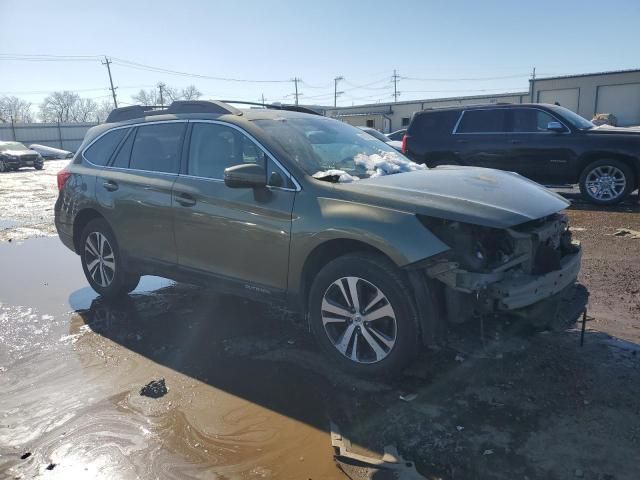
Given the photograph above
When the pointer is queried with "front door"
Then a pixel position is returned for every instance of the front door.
(542, 155)
(241, 235)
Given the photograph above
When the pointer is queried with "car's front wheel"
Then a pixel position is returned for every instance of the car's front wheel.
(3, 166)
(363, 315)
(102, 263)
(606, 182)
(38, 166)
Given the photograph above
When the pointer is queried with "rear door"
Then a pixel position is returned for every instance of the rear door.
(135, 190)
(480, 139)
(536, 152)
(240, 235)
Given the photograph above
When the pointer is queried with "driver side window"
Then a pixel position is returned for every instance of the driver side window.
(214, 147)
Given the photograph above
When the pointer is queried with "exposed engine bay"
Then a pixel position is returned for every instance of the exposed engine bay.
(491, 270)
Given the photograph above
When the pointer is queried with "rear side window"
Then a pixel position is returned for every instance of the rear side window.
(483, 121)
(121, 159)
(156, 148)
(101, 150)
(429, 124)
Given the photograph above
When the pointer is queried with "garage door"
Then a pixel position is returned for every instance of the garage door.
(621, 100)
(567, 97)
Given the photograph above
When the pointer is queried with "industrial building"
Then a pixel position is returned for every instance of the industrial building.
(616, 92)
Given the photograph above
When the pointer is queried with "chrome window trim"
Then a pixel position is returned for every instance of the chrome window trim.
(264, 150)
(455, 127)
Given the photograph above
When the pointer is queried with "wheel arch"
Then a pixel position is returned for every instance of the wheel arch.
(81, 220)
(632, 162)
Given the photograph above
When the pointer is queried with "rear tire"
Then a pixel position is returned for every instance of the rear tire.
(102, 263)
(606, 182)
(3, 167)
(39, 166)
(367, 337)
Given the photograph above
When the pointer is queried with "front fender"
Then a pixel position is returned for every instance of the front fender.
(397, 234)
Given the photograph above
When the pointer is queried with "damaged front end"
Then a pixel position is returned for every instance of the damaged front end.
(518, 270)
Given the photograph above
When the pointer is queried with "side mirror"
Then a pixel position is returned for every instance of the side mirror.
(246, 175)
(556, 127)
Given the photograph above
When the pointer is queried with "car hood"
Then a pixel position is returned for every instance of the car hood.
(608, 130)
(480, 196)
(18, 153)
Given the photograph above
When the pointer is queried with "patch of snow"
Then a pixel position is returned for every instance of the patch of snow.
(343, 177)
(386, 163)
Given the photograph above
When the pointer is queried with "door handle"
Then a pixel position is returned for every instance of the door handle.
(515, 142)
(462, 141)
(110, 185)
(185, 199)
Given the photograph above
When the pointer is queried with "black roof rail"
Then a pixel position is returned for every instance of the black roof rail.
(276, 106)
(179, 106)
(221, 107)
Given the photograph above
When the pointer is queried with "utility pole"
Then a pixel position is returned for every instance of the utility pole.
(108, 62)
(263, 99)
(335, 90)
(533, 83)
(296, 80)
(395, 78)
(160, 87)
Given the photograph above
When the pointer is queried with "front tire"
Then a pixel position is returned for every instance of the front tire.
(3, 166)
(39, 166)
(102, 263)
(363, 315)
(606, 182)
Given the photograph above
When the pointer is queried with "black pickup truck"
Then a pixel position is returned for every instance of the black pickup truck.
(546, 143)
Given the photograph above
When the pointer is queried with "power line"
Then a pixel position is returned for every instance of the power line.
(464, 79)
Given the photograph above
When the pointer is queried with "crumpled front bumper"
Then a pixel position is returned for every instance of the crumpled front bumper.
(510, 290)
(524, 290)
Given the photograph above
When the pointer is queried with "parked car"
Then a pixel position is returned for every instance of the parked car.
(397, 135)
(303, 210)
(382, 137)
(14, 155)
(546, 143)
(51, 153)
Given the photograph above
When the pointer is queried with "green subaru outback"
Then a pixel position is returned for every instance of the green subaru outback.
(376, 252)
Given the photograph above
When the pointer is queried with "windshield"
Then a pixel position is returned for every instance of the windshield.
(12, 146)
(374, 133)
(334, 151)
(576, 120)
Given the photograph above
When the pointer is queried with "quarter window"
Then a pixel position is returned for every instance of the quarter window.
(121, 160)
(530, 120)
(483, 121)
(214, 147)
(100, 152)
(156, 148)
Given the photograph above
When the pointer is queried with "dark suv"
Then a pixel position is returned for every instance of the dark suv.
(546, 143)
(377, 252)
(14, 155)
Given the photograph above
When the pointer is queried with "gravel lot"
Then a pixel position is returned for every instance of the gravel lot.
(250, 397)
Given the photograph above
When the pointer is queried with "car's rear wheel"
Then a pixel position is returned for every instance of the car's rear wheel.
(102, 262)
(363, 315)
(606, 182)
(38, 166)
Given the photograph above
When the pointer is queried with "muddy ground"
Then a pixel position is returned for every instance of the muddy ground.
(249, 396)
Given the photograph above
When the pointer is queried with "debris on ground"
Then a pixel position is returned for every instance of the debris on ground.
(51, 466)
(24, 456)
(361, 467)
(488, 452)
(408, 397)
(627, 232)
(154, 389)
(459, 358)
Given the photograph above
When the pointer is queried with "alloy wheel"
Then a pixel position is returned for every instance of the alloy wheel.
(99, 259)
(359, 320)
(605, 182)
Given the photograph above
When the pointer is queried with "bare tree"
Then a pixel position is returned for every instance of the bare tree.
(147, 97)
(170, 94)
(103, 111)
(15, 109)
(191, 93)
(58, 107)
(83, 110)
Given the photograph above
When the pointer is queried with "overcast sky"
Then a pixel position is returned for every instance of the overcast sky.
(363, 41)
